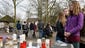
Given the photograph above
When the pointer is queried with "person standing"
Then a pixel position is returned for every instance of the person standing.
(74, 24)
(40, 28)
(47, 31)
(60, 25)
(31, 30)
(66, 12)
(25, 29)
(82, 32)
(18, 26)
(35, 29)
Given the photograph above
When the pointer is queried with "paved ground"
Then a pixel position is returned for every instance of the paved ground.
(2, 33)
(83, 40)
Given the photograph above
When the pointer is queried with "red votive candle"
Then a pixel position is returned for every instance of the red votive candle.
(43, 45)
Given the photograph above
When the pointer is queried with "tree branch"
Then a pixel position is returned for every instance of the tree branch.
(19, 2)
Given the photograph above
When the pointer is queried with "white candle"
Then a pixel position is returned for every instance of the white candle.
(30, 44)
(21, 39)
(23, 36)
(14, 37)
(47, 43)
(1, 42)
(39, 43)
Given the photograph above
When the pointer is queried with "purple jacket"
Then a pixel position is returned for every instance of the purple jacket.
(74, 24)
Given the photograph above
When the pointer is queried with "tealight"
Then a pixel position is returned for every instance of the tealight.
(1, 42)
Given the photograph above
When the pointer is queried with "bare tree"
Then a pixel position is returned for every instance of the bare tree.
(44, 8)
(9, 8)
(6, 7)
(15, 3)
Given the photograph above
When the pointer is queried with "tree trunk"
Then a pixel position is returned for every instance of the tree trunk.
(14, 1)
(40, 9)
(46, 17)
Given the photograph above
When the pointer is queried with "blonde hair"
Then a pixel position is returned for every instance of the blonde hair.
(61, 15)
(62, 18)
(76, 7)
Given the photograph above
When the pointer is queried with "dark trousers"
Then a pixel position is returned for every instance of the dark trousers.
(76, 44)
(25, 32)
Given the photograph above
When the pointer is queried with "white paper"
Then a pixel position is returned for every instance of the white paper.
(63, 44)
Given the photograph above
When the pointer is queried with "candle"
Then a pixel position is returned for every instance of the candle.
(21, 39)
(21, 42)
(43, 43)
(23, 36)
(30, 44)
(1, 42)
(38, 43)
(24, 44)
(15, 46)
(47, 43)
(14, 36)
(21, 45)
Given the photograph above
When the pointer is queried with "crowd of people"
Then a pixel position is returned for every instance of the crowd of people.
(68, 26)
(30, 30)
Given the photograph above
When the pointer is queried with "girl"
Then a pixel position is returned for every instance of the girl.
(74, 24)
(66, 12)
(60, 27)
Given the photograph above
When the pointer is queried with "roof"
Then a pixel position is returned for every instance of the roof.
(32, 19)
(7, 18)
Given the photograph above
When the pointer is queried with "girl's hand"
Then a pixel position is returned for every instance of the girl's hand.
(67, 34)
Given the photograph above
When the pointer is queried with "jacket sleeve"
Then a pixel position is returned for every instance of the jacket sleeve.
(79, 25)
(58, 27)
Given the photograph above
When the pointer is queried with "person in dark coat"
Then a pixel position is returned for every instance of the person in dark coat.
(60, 27)
(35, 28)
(25, 29)
(31, 26)
(40, 28)
(18, 26)
(31, 30)
(47, 32)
